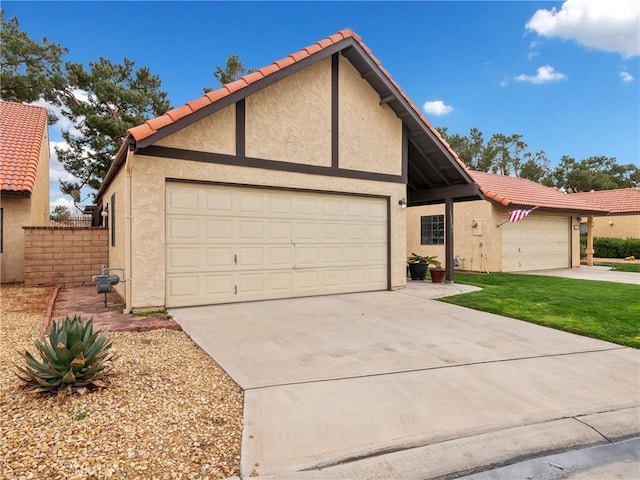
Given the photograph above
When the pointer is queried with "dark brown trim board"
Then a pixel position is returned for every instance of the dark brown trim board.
(335, 110)
(181, 154)
(241, 127)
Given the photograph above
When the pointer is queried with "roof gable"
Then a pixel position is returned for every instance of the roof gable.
(520, 192)
(22, 128)
(440, 162)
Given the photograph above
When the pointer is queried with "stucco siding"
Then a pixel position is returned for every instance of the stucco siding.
(213, 134)
(40, 195)
(16, 213)
(370, 134)
(478, 240)
(290, 121)
(148, 200)
(619, 226)
(117, 248)
(467, 239)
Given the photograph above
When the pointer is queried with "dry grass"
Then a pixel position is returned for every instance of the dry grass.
(170, 412)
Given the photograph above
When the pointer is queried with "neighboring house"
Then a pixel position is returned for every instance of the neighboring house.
(549, 237)
(623, 205)
(290, 181)
(24, 181)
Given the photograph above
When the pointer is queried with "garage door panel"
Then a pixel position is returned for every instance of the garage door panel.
(536, 242)
(233, 244)
(217, 202)
(182, 201)
(183, 229)
(217, 229)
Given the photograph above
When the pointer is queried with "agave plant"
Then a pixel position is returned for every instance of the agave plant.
(74, 356)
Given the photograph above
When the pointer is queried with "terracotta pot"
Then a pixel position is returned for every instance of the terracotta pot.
(437, 274)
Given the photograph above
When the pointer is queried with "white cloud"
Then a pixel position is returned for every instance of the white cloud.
(535, 44)
(544, 74)
(626, 77)
(64, 201)
(56, 170)
(532, 55)
(437, 107)
(613, 26)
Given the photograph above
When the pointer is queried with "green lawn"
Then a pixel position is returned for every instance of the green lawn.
(605, 310)
(621, 267)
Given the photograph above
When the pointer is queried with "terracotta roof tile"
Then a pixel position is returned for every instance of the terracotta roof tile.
(141, 131)
(284, 62)
(201, 102)
(22, 128)
(254, 77)
(311, 49)
(520, 192)
(619, 201)
(235, 86)
(216, 95)
(159, 122)
(178, 113)
(269, 69)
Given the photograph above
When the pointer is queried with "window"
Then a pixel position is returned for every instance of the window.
(432, 230)
(113, 220)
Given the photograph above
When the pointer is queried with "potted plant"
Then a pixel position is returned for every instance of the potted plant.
(419, 264)
(437, 272)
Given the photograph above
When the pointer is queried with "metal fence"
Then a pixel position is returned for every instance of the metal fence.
(71, 221)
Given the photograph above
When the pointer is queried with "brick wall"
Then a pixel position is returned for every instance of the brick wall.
(64, 255)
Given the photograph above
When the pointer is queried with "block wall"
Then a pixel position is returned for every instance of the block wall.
(64, 255)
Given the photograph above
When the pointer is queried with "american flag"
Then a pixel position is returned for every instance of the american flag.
(519, 215)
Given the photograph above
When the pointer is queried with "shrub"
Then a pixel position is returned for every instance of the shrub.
(73, 356)
(616, 247)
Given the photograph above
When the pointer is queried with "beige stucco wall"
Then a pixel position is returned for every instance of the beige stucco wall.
(468, 239)
(148, 224)
(16, 213)
(214, 134)
(290, 121)
(40, 195)
(369, 132)
(117, 252)
(621, 226)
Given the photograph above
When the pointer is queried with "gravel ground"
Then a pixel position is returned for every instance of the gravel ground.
(170, 412)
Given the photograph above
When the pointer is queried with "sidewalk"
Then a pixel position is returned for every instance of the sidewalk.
(84, 301)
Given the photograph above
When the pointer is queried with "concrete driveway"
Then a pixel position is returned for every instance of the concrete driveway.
(397, 385)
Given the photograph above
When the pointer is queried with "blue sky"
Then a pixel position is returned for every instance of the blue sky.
(563, 74)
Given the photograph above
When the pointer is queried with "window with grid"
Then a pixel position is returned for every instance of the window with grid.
(432, 230)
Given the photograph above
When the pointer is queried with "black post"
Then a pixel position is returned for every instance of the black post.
(448, 238)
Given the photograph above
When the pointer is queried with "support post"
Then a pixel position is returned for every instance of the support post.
(448, 238)
(590, 250)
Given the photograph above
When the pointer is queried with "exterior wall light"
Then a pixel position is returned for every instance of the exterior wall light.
(402, 203)
(105, 212)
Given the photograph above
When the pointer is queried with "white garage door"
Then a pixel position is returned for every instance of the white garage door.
(536, 243)
(232, 244)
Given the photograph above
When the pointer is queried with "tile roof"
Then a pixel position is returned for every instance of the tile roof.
(520, 192)
(619, 201)
(153, 126)
(22, 128)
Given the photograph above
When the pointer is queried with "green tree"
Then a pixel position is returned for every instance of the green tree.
(104, 102)
(233, 70)
(60, 213)
(470, 148)
(29, 70)
(535, 166)
(593, 173)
